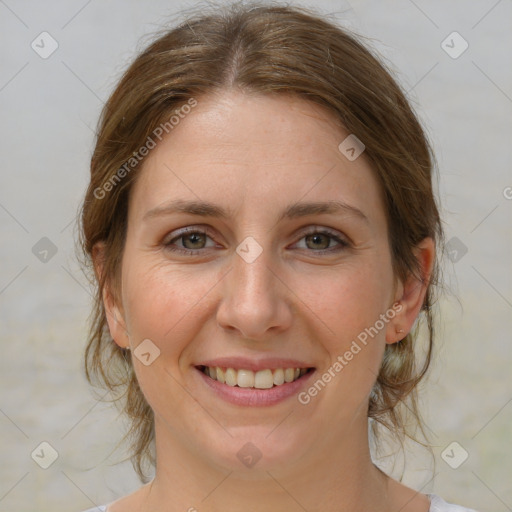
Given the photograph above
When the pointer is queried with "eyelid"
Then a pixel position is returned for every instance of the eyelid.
(311, 230)
(176, 235)
(342, 240)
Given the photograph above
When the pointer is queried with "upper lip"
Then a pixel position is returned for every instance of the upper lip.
(244, 363)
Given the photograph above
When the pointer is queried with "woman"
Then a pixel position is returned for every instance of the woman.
(263, 230)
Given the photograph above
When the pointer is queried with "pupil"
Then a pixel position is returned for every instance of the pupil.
(195, 237)
(316, 237)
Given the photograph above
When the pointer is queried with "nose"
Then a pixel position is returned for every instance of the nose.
(255, 300)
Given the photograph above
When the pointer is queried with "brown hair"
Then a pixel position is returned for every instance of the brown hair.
(263, 49)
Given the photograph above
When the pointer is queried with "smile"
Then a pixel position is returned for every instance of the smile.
(262, 379)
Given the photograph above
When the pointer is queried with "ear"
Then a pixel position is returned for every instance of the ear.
(113, 309)
(411, 294)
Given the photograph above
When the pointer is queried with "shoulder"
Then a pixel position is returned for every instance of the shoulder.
(437, 504)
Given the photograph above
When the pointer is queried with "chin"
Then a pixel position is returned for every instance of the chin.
(252, 451)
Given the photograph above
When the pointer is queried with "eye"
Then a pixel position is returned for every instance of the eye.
(320, 241)
(193, 240)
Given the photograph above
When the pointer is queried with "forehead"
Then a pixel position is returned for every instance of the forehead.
(239, 150)
(238, 125)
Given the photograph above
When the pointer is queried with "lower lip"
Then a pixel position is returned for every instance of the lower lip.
(252, 397)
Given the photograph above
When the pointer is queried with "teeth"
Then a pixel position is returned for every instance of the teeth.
(278, 376)
(221, 376)
(245, 379)
(289, 374)
(231, 379)
(263, 379)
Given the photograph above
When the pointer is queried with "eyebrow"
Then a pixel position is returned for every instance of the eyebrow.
(294, 211)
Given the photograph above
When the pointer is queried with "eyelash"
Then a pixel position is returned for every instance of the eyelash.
(194, 252)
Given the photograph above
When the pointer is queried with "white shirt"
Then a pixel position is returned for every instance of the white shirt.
(437, 504)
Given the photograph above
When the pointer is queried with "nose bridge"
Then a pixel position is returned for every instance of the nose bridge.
(252, 280)
(252, 300)
(254, 252)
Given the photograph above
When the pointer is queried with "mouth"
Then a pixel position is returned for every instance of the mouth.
(262, 379)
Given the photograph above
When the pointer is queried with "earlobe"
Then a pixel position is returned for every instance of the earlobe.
(412, 293)
(114, 315)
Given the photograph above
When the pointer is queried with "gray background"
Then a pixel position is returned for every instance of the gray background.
(49, 112)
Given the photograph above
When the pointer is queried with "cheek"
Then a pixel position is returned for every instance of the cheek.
(348, 299)
(350, 304)
(354, 343)
(164, 303)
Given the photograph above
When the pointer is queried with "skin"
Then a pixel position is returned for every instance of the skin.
(257, 155)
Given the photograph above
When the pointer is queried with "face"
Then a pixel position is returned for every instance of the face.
(268, 287)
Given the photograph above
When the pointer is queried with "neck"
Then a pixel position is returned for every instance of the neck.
(337, 476)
